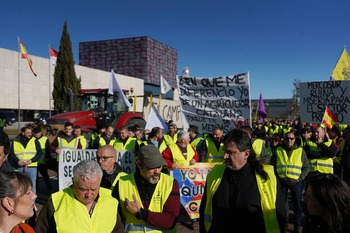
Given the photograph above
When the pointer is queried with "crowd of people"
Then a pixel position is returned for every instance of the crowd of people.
(264, 171)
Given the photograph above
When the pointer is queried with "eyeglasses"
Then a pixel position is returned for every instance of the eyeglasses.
(103, 158)
(290, 138)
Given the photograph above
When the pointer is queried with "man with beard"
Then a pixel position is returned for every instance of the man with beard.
(148, 198)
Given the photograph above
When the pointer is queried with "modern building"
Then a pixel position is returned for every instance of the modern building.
(21, 90)
(140, 57)
(275, 108)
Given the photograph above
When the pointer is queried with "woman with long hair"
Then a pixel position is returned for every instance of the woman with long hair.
(327, 202)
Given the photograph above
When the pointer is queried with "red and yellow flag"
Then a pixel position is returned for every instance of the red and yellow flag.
(25, 54)
(329, 118)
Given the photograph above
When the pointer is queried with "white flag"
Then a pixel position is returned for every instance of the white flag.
(114, 87)
(164, 86)
(155, 120)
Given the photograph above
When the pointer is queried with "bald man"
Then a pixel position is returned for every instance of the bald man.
(107, 159)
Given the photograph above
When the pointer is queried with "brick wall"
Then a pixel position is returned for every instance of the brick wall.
(140, 57)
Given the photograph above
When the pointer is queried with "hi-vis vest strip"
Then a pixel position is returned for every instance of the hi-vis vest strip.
(289, 167)
(25, 154)
(42, 142)
(195, 142)
(83, 141)
(257, 147)
(322, 165)
(178, 156)
(161, 147)
(267, 190)
(213, 154)
(169, 140)
(129, 144)
(103, 142)
(71, 215)
(63, 143)
(127, 187)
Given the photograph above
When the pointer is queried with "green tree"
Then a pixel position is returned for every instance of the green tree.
(295, 108)
(65, 79)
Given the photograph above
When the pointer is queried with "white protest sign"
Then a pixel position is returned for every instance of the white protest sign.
(215, 101)
(126, 159)
(316, 96)
(68, 158)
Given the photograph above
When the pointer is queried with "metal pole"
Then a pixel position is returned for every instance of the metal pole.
(19, 88)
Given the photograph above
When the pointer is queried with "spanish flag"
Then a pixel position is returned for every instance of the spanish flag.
(25, 54)
(342, 68)
(329, 118)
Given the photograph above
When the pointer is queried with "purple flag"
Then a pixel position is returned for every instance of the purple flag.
(261, 109)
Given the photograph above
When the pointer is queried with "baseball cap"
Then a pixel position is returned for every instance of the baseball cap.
(151, 156)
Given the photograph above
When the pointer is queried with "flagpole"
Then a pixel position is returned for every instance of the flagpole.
(256, 111)
(19, 88)
(49, 82)
(150, 103)
(160, 98)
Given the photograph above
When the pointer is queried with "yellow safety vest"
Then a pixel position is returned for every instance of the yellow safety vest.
(289, 167)
(169, 140)
(120, 174)
(42, 142)
(161, 147)
(273, 131)
(196, 141)
(25, 154)
(178, 157)
(287, 130)
(129, 144)
(63, 143)
(322, 165)
(83, 142)
(257, 147)
(71, 215)
(127, 187)
(213, 154)
(267, 190)
(103, 142)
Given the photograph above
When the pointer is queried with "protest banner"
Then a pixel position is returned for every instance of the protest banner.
(126, 159)
(68, 158)
(192, 179)
(316, 96)
(215, 101)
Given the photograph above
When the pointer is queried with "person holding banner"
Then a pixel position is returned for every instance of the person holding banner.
(320, 151)
(149, 199)
(242, 195)
(106, 138)
(107, 159)
(65, 139)
(180, 153)
(212, 149)
(83, 207)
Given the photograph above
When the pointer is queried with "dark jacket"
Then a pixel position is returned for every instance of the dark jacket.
(108, 178)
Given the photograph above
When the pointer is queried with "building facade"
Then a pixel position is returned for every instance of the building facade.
(140, 57)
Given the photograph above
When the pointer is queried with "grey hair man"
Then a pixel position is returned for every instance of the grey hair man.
(84, 205)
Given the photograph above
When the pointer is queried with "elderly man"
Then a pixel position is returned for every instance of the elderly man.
(149, 199)
(180, 153)
(107, 159)
(83, 207)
